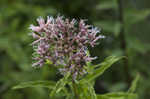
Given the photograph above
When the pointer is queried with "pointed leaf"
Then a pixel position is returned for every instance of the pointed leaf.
(46, 84)
(134, 84)
(100, 70)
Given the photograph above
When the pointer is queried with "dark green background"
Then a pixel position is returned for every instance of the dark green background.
(16, 52)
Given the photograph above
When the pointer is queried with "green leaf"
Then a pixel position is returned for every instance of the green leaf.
(60, 85)
(102, 97)
(86, 91)
(134, 16)
(109, 26)
(118, 86)
(92, 91)
(118, 95)
(107, 4)
(134, 84)
(100, 68)
(46, 84)
(136, 44)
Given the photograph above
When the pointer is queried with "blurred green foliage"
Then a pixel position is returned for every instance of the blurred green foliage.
(16, 52)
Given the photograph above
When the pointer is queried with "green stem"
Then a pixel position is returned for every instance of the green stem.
(75, 90)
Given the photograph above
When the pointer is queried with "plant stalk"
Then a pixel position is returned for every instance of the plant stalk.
(123, 44)
(75, 90)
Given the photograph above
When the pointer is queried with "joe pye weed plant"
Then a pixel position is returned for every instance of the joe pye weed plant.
(64, 44)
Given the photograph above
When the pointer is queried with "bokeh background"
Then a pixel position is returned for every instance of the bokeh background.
(125, 24)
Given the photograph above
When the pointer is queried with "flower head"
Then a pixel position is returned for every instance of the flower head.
(64, 42)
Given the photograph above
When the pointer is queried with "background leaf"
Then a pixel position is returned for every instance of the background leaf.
(134, 84)
(107, 4)
(133, 16)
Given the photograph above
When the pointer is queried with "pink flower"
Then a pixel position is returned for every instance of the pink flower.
(64, 42)
(41, 22)
(35, 28)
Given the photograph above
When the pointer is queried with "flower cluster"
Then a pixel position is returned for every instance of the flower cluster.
(64, 42)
